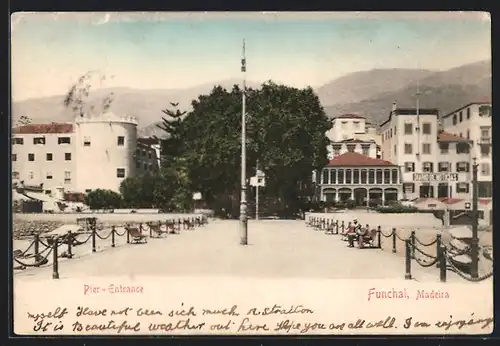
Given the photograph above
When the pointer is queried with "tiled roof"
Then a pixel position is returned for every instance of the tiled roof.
(484, 201)
(450, 137)
(356, 159)
(350, 116)
(43, 128)
(450, 201)
(478, 102)
(355, 140)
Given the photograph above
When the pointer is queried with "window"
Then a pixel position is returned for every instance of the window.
(120, 172)
(468, 113)
(64, 140)
(408, 148)
(454, 119)
(355, 176)
(150, 155)
(39, 140)
(426, 128)
(426, 148)
(366, 150)
(394, 176)
(462, 188)
(67, 177)
(31, 175)
(138, 164)
(371, 176)
(462, 167)
(485, 169)
(408, 187)
(120, 140)
(18, 141)
(460, 118)
(86, 141)
(31, 157)
(485, 150)
(348, 176)
(394, 130)
(484, 111)
(408, 128)
(485, 133)
(387, 176)
(363, 176)
(67, 156)
(48, 156)
(409, 166)
(462, 148)
(15, 175)
(324, 180)
(14, 157)
(390, 133)
(145, 166)
(48, 192)
(428, 167)
(333, 176)
(444, 147)
(443, 167)
(340, 176)
(378, 176)
(484, 189)
(49, 175)
(350, 148)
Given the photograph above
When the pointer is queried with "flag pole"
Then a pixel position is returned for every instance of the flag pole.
(243, 198)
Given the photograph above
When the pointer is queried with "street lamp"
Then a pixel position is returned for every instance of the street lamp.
(475, 222)
(243, 197)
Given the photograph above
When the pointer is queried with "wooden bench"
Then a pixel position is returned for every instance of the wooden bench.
(136, 235)
(156, 229)
(367, 238)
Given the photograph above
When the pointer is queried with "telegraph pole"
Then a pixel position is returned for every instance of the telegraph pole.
(243, 198)
(257, 191)
(475, 223)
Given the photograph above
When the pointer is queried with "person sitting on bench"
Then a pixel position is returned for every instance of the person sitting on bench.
(352, 234)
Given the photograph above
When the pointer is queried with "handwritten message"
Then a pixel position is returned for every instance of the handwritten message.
(275, 319)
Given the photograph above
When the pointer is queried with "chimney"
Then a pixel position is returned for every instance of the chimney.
(394, 106)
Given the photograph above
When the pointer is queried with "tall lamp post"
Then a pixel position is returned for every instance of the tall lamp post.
(475, 222)
(243, 197)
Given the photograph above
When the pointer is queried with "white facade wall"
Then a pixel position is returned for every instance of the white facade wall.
(52, 173)
(368, 149)
(468, 123)
(345, 128)
(95, 155)
(425, 148)
(105, 148)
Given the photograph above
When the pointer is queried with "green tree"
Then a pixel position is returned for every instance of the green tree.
(286, 133)
(103, 199)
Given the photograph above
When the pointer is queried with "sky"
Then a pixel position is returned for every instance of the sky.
(50, 51)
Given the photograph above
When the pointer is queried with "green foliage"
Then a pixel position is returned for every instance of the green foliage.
(350, 204)
(396, 207)
(285, 132)
(103, 199)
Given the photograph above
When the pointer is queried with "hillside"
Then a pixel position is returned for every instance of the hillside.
(445, 90)
(363, 85)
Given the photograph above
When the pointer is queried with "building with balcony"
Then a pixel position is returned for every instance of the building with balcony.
(352, 126)
(353, 176)
(90, 153)
(473, 122)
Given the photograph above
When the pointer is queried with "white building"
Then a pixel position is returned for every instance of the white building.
(365, 147)
(473, 122)
(347, 126)
(90, 153)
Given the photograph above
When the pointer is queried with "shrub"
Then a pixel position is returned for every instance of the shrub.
(350, 204)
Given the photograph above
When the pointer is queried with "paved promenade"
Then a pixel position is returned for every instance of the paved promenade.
(277, 249)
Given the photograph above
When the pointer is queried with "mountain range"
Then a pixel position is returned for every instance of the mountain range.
(368, 93)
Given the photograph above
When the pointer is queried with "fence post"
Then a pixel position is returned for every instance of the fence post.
(438, 249)
(342, 226)
(336, 226)
(70, 244)
(93, 239)
(113, 236)
(379, 237)
(412, 240)
(128, 234)
(394, 240)
(442, 263)
(55, 264)
(150, 230)
(408, 259)
(37, 247)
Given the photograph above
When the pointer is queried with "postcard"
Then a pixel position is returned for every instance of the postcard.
(272, 173)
